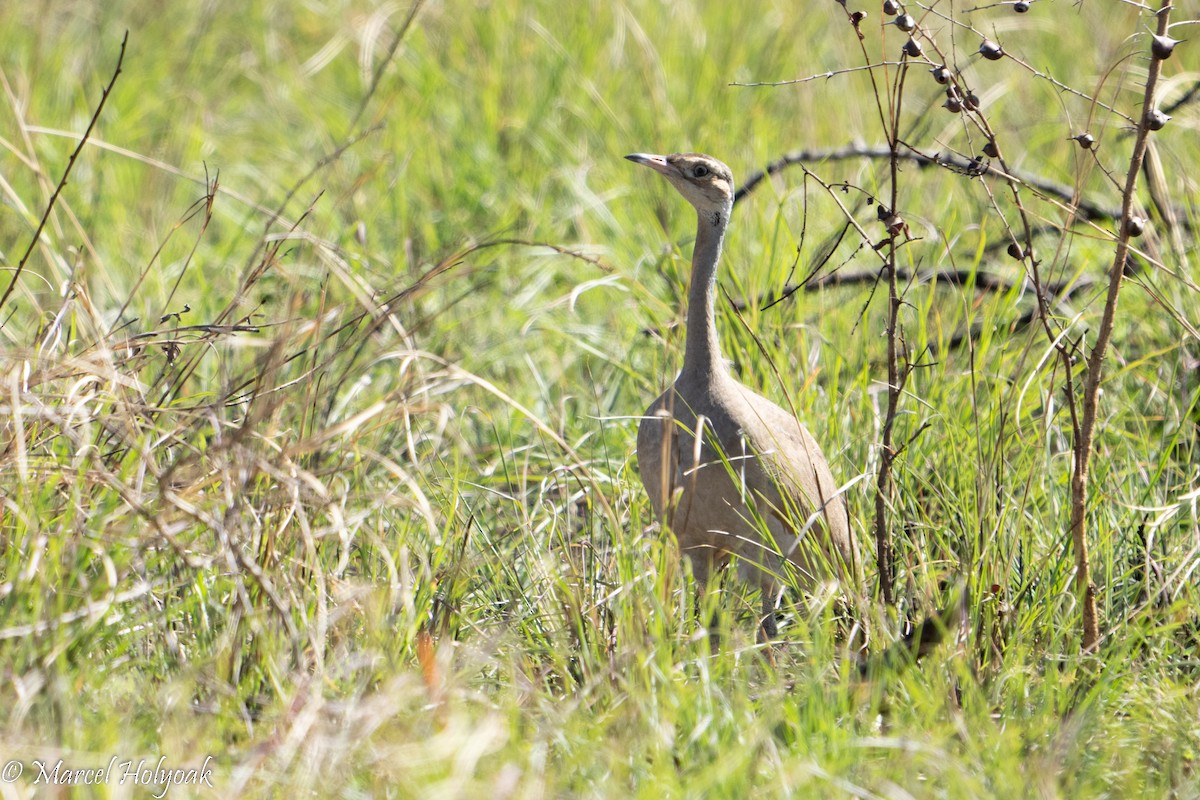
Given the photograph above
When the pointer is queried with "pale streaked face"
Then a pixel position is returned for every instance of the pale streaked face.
(703, 181)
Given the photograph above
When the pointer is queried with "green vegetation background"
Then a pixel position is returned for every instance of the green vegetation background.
(391, 542)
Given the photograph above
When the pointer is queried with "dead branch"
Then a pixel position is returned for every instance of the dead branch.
(1086, 208)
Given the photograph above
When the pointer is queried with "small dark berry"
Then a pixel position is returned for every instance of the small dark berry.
(1161, 46)
(912, 48)
(1020, 6)
(1086, 140)
(1156, 120)
(1015, 251)
(953, 105)
(990, 150)
(1134, 226)
(971, 101)
(891, 7)
(941, 74)
(906, 23)
(991, 51)
(882, 212)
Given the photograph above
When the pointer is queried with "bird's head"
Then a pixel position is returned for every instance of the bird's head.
(704, 181)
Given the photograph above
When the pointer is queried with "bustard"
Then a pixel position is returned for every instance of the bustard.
(721, 463)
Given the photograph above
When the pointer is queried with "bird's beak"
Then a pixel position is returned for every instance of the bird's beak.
(657, 163)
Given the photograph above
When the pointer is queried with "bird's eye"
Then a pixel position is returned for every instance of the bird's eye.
(700, 171)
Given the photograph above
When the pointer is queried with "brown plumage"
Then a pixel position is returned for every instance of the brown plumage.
(722, 463)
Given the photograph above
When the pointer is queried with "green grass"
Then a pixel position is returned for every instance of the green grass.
(392, 542)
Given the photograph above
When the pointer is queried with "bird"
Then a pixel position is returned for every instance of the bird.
(728, 471)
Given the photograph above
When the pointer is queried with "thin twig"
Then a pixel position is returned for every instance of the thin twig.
(383, 65)
(37, 234)
(821, 76)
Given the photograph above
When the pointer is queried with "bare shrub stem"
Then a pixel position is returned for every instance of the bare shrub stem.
(1095, 361)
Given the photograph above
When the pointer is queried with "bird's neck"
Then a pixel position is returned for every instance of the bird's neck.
(702, 355)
